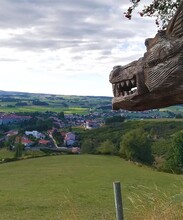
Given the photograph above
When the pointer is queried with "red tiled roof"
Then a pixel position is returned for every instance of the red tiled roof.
(9, 133)
(26, 141)
(42, 141)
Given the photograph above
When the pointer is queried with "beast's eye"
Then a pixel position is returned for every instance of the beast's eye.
(148, 42)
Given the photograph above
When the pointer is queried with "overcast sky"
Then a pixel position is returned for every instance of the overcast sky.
(67, 47)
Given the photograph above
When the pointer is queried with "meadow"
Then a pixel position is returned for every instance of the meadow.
(79, 187)
(72, 110)
(31, 102)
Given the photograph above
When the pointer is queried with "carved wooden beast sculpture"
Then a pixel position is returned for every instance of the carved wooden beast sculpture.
(155, 80)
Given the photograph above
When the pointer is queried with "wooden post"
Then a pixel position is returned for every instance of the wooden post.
(118, 201)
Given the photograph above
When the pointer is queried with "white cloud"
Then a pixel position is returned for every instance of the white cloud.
(67, 46)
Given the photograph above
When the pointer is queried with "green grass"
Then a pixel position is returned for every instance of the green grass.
(75, 110)
(176, 109)
(80, 188)
(4, 153)
(52, 108)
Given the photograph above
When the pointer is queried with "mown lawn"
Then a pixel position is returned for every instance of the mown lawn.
(79, 187)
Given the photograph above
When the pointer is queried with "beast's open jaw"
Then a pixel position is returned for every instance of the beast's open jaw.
(125, 87)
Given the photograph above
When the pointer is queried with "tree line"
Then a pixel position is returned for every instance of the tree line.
(139, 141)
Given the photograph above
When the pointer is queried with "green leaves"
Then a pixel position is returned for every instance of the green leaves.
(175, 160)
(163, 10)
(107, 147)
(136, 146)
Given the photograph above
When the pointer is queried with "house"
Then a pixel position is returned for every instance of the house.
(90, 124)
(11, 133)
(12, 118)
(35, 134)
(25, 141)
(69, 139)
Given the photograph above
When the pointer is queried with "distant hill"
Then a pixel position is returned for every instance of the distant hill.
(12, 93)
(10, 100)
(4, 92)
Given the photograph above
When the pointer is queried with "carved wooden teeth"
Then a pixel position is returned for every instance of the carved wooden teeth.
(125, 88)
(118, 86)
(127, 82)
(122, 84)
(133, 82)
(125, 93)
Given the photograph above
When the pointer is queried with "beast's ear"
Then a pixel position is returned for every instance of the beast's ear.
(175, 26)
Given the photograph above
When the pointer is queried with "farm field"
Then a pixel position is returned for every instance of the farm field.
(44, 109)
(31, 102)
(19, 102)
(79, 187)
(176, 108)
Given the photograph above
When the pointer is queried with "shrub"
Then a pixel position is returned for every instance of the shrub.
(136, 146)
(18, 150)
(86, 146)
(107, 147)
(174, 162)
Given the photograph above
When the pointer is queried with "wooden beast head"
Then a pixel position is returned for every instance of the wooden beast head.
(156, 79)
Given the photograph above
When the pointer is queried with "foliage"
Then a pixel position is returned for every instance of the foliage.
(89, 146)
(8, 99)
(18, 150)
(21, 104)
(37, 102)
(136, 146)
(61, 115)
(9, 142)
(37, 123)
(4, 128)
(107, 147)
(163, 10)
(175, 160)
(159, 131)
(161, 147)
(58, 137)
(114, 119)
(179, 116)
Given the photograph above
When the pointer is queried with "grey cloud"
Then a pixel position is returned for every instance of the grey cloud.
(105, 53)
(18, 14)
(81, 25)
(77, 58)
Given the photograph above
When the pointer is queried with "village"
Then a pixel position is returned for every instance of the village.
(43, 131)
(50, 130)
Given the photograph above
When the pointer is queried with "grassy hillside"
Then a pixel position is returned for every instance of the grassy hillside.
(80, 188)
